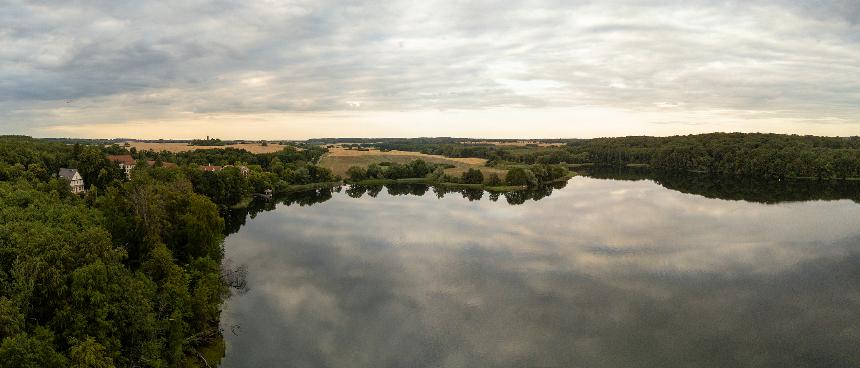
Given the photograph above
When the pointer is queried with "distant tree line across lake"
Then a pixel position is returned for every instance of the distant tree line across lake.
(772, 156)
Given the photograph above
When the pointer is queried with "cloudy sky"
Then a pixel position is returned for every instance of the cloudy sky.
(536, 68)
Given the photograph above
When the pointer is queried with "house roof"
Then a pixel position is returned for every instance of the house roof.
(210, 168)
(125, 159)
(67, 174)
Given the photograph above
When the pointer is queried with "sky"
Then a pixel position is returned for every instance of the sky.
(266, 69)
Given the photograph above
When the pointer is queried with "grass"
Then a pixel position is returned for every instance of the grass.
(339, 160)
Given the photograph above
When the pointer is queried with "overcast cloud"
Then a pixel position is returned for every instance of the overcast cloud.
(312, 68)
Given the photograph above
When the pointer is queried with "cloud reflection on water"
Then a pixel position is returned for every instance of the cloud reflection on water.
(601, 274)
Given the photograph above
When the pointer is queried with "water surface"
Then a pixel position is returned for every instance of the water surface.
(599, 273)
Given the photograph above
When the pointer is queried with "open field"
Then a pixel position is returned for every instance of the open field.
(339, 160)
(182, 147)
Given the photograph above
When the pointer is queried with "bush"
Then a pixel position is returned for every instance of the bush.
(473, 176)
(357, 173)
(520, 176)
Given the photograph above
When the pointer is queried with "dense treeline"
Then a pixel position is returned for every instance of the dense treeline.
(754, 155)
(276, 171)
(229, 155)
(206, 142)
(427, 140)
(131, 273)
(495, 154)
(39, 159)
(738, 154)
(414, 169)
(127, 276)
(531, 176)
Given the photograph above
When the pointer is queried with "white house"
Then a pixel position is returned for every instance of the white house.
(76, 182)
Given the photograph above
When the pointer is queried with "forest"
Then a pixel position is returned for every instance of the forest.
(130, 274)
(769, 156)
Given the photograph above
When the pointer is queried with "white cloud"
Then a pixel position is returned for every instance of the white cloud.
(798, 61)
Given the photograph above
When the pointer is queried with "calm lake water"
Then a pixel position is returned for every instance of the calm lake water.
(599, 273)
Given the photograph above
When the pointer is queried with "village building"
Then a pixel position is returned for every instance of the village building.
(126, 163)
(211, 168)
(76, 182)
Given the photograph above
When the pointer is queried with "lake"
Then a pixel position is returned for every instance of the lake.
(599, 272)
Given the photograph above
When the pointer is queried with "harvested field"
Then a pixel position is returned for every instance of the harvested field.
(182, 147)
(339, 160)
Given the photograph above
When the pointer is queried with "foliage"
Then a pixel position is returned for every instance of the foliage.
(133, 280)
(494, 180)
(206, 142)
(357, 173)
(521, 176)
(472, 176)
(737, 154)
(390, 170)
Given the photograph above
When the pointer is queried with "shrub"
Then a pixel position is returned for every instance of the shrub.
(473, 176)
(520, 176)
(357, 173)
(494, 180)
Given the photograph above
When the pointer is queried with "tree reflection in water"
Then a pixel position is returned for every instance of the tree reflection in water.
(727, 188)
